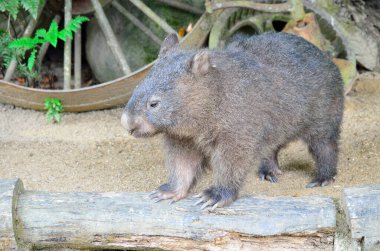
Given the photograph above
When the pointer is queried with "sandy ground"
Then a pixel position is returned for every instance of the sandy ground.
(91, 152)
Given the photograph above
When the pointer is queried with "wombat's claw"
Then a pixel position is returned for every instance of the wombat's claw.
(157, 196)
(198, 195)
(152, 195)
(157, 200)
(216, 197)
(207, 203)
(199, 202)
(318, 183)
(172, 202)
(214, 207)
(269, 177)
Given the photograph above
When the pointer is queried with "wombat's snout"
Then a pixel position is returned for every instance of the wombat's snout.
(127, 123)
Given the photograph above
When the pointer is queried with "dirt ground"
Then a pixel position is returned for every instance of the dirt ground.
(91, 152)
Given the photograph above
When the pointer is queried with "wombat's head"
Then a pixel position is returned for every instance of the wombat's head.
(163, 100)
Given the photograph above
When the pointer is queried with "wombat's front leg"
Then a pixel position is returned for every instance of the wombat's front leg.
(229, 170)
(185, 164)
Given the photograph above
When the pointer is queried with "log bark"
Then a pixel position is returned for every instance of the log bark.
(130, 220)
(362, 208)
(9, 191)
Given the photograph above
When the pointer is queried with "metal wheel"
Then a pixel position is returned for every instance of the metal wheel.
(277, 16)
(95, 8)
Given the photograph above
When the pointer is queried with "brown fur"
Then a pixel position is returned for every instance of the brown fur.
(233, 109)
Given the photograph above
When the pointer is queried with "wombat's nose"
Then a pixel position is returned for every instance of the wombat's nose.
(126, 122)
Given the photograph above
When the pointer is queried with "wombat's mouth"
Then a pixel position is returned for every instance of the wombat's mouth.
(140, 134)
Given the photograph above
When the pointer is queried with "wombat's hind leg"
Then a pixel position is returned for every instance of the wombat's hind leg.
(325, 154)
(269, 169)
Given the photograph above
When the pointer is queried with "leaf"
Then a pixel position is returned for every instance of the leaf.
(32, 59)
(27, 43)
(54, 109)
(56, 101)
(52, 34)
(63, 34)
(11, 6)
(50, 118)
(41, 33)
(32, 6)
(57, 117)
(71, 27)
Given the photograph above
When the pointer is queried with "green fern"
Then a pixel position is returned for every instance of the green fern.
(27, 43)
(73, 26)
(32, 6)
(13, 7)
(54, 109)
(41, 33)
(32, 59)
(51, 36)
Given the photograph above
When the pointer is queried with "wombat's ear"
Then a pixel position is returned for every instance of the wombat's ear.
(200, 63)
(169, 42)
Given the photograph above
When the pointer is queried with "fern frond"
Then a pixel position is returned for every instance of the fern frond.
(63, 34)
(52, 34)
(41, 33)
(31, 6)
(27, 43)
(77, 22)
(11, 6)
(32, 59)
(71, 27)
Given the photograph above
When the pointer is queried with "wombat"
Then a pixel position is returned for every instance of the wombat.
(232, 109)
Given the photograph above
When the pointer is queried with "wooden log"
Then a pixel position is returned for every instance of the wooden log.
(9, 191)
(362, 208)
(130, 220)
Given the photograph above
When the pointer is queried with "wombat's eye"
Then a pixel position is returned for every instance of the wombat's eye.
(153, 103)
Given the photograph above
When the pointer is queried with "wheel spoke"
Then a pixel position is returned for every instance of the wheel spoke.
(77, 58)
(67, 49)
(110, 37)
(136, 22)
(147, 11)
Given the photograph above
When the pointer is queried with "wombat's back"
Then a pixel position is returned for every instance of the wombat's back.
(280, 87)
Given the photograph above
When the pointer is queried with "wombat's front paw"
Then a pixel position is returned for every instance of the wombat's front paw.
(216, 197)
(165, 192)
(320, 182)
